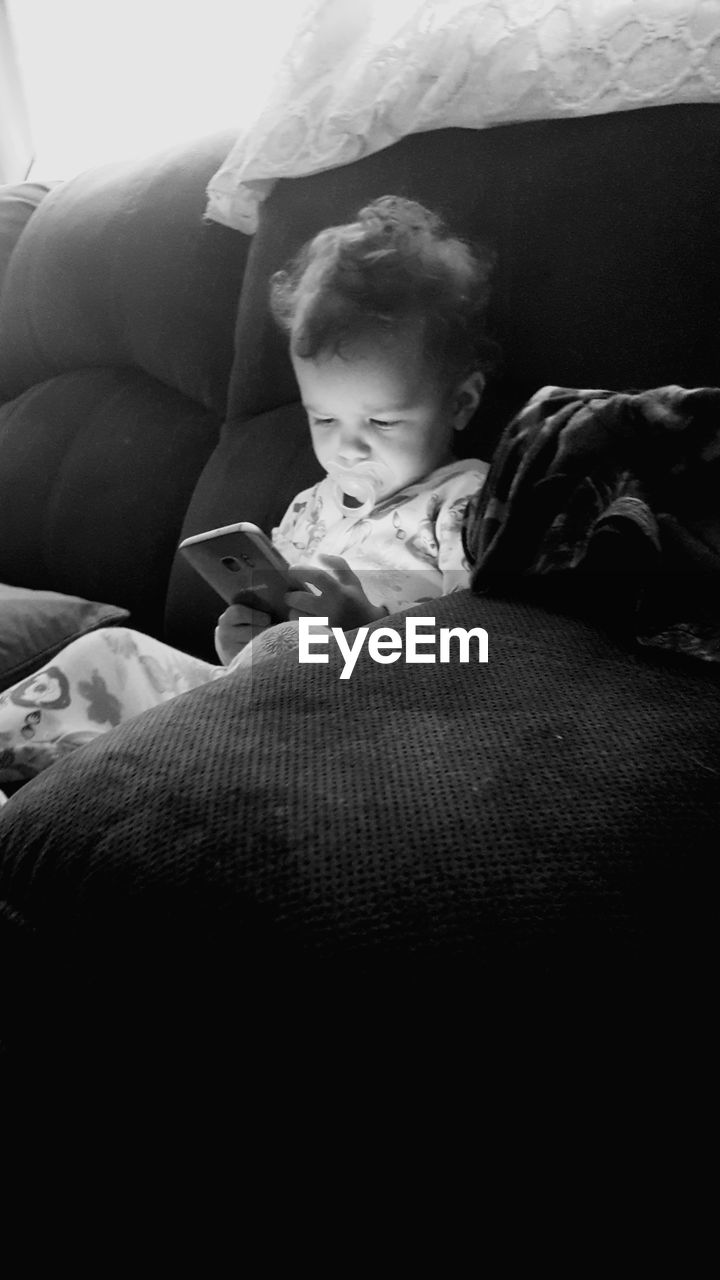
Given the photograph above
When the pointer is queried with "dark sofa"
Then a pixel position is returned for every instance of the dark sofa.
(545, 824)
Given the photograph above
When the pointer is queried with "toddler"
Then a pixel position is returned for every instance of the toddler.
(385, 323)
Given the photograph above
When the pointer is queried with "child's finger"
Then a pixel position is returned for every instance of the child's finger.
(338, 567)
(302, 603)
(312, 575)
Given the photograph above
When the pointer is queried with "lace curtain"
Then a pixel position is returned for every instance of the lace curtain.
(360, 74)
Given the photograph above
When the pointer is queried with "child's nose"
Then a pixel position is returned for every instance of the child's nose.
(353, 444)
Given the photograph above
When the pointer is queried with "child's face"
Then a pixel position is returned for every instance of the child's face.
(380, 403)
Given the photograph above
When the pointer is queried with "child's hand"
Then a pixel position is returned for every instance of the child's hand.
(342, 600)
(236, 627)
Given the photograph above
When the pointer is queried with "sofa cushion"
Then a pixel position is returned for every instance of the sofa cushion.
(35, 625)
(548, 817)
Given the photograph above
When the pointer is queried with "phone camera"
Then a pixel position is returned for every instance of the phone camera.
(233, 564)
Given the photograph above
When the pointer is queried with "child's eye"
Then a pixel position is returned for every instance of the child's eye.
(323, 422)
(383, 424)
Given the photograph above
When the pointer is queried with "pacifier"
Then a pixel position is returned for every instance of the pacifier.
(363, 482)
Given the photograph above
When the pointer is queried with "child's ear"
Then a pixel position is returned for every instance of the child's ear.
(466, 399)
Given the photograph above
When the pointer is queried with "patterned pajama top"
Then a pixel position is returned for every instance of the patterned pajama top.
(407, 549)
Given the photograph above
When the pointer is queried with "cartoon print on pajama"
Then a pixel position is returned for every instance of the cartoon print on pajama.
(32, 718)
(104, 707)
(422, 540)
(315, 529)
(105, 677)
(49, 688)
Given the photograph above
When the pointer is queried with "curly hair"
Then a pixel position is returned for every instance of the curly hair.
(396, 263)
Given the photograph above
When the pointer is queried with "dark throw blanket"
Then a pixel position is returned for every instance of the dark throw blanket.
(609, 504)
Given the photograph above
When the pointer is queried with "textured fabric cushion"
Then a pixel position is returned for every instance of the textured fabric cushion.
(550, 817)
(35, 625)
(358, 77)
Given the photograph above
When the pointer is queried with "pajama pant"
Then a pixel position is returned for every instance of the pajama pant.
(99, 681)
(102, 680)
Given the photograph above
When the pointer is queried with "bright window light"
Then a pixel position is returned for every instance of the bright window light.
(114, 79)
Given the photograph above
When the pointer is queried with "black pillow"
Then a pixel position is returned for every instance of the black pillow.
(35, 625)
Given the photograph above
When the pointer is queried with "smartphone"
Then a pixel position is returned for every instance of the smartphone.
(243, 566)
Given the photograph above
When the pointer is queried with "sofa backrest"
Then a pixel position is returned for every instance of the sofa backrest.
(148, 394)
(117, 317)
(608, 275)
(118, 267)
